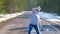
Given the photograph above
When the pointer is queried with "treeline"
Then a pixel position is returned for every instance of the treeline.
(12, 6)
(51, 6)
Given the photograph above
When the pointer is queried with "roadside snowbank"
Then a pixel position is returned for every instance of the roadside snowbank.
(49, 16)
(8, 16)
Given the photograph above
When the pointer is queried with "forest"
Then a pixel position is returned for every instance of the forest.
(13, 6)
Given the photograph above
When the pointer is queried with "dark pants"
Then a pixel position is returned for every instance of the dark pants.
(35, 27)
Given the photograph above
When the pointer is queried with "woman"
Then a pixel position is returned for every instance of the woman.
(34, 20)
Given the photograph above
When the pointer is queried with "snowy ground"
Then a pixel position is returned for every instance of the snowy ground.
(8, 16)
(49, 16)
(46, 16)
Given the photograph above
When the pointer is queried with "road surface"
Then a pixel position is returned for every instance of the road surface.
(19, 26)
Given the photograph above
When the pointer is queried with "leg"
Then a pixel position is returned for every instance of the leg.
(30, 28)
(36, 28)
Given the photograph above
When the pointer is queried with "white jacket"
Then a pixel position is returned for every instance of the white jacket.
(35, 19)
